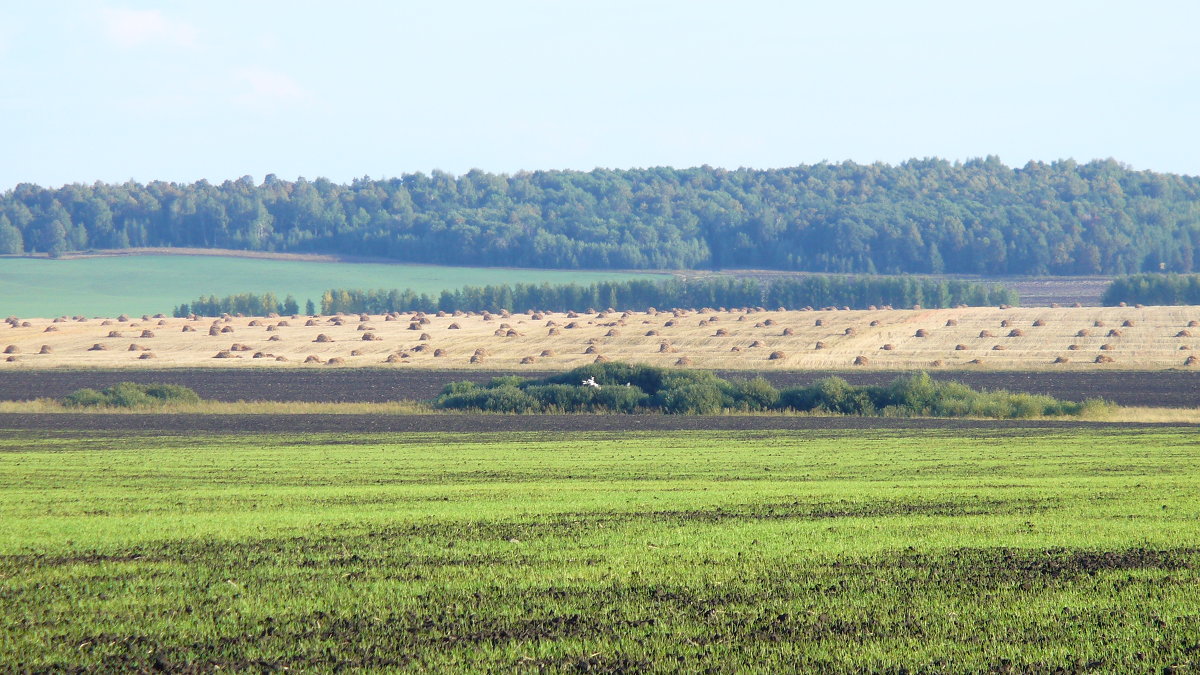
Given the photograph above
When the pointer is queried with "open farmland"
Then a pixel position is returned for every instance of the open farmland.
(990, 339)
(154, 283)
(889, 550)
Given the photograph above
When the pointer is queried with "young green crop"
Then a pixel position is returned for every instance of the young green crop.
(1028, 549)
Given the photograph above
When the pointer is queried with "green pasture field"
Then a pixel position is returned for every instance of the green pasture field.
(926, 551)
(149, 284)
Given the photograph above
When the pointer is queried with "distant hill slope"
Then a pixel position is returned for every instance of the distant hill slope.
(923, 216)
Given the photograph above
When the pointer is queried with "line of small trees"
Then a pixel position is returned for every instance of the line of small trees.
(249, 304)
(792, 293)
(1154, 289)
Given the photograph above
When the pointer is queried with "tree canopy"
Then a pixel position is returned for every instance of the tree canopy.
(922, 216)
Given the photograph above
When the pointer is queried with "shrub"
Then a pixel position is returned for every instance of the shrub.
(131, 395)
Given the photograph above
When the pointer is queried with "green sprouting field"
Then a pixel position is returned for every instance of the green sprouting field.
(149, 284)
(933, 551)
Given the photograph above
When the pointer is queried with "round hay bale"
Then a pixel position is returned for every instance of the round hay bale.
(591, 350)
(323, 338)
(1107, 347)
(819, 345)
(1039, 322)
(51, 329)
(861, 361)
(1114, 333)
(921, 332)
(188, 329)
(951, 322)
(1127, 323)
(147, 333)
(312, 358)
(224, 354)
(45, 350)
(114, 333)
(776, 356)
(274, 338)
(788, 331)
(335, 361)
(1104, 359)
(1191, 361)
(227, 329)
(1082, 332)
(1016, 332)
(1072, 348)
(986, 334)
(11, 349)
(439, 352)
(998, 348)
(146, 355)
(888, 347)
(526, 360)
(1061, 359)
(758, 343)
(721, 332)
(960, 348)
(683, 361)
(97, 348)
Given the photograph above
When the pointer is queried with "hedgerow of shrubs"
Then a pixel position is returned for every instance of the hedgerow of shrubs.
(131, 395)
(626, 388)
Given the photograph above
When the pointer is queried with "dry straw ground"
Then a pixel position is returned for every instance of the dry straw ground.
(1089, 338)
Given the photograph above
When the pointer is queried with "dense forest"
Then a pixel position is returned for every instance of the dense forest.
(1154, 289)
(790, 293)
(923, 216)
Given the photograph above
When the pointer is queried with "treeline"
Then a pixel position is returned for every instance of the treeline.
(249, 304)
(790, 293)
(923, 216)
(638, 294)
(1154, 289)
(624, 388)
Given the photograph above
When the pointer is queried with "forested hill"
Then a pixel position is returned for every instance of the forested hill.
(924, 216)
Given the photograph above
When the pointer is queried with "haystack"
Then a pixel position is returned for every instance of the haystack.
(425, 337)
(591, 350)
(1039, 322)
(1114, 333)
(1072, 348)
(476, 358)
(959, 348)
(1184, 333)
(370, 337)
(600, 359)
(788, 331)
(97, 348)
(758, 343)
(861, 361)
(114, 333)
(951, 322)
(51, 329)
(1016, 332)
(721, 332)
(1107, 347)
(888, 347)
(1082, 332)
(547, 352)
(11, 349)
(1127, 323)
(921, 332)
(1104, 359)
(224, 354)
(665, 348)
(874, 323)
(335, 361)
(146, 355)
(227, 329)
(819, 345)
(651, 333)
(552, 331)
(986, 334)
(45, 350)
(188, 329)
(776, 356)
(439, 352)
(147, 333)
(998, 348)
(526, 360)
(850, 331)
(323, 338)
(1191, 361)
(312, 358)
(1061, 359)
(819, 322)
(683, 361)
(274, 338)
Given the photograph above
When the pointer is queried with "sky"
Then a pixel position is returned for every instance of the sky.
(94, 90)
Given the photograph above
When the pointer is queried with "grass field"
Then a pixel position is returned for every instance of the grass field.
(1022, 338)
(149, 284)
(1013, 550)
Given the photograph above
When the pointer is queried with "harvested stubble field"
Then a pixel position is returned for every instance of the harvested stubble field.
(1063, 550)
(1017, 339)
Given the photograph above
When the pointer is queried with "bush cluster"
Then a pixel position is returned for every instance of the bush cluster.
(1154, 289)
(626, 388)
(131, 395)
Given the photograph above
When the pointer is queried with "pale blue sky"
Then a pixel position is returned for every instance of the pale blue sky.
(100, 90)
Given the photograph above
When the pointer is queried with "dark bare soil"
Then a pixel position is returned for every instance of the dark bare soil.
(440, 423)
(1171, 389)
